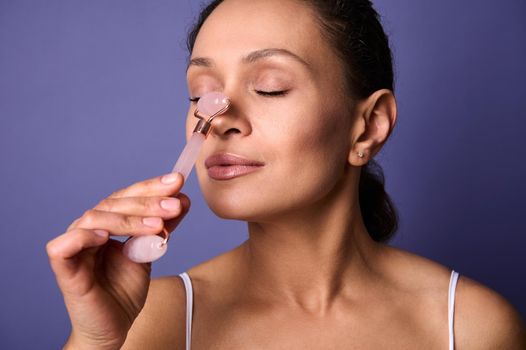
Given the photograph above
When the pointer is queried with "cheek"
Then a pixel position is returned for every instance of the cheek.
(309, 159)
(320, 136)
(317, 152)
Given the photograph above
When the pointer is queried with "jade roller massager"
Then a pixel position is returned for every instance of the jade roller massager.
(142, 249)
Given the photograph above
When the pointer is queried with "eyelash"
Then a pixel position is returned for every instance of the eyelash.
(272, 93)
(262, 93)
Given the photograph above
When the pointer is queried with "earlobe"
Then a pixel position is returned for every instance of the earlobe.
(377, 120)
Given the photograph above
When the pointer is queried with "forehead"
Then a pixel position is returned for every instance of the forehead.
(237, 27)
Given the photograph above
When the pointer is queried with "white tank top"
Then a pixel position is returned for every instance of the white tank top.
(450, 302)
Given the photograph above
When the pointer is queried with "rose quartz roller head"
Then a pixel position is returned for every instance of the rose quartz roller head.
(148, 248)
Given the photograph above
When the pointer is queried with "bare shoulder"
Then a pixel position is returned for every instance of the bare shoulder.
(161, 323)
(484, 319)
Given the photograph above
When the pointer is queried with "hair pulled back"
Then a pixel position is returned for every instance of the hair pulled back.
(354, 31)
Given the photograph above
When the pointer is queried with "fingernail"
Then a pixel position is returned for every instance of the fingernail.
(101, 233)
(171, 204)
(152, 222)
(170, 178)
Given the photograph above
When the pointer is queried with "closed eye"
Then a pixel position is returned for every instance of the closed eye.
(272, 93)
(259, 92)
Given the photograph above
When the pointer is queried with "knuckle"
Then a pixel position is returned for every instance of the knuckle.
(88, 218)
(73, 224)
(50, 249)
(127, 222)
(150, 205)
(106, 204)
(153, 184)
(53, 250)
(118, 193)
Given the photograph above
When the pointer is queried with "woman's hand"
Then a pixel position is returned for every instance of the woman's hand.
(103, 290)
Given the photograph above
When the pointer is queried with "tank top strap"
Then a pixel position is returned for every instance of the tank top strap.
(451, 307)
(189, 307)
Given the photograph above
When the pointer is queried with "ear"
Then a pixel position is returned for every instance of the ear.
(374, 122)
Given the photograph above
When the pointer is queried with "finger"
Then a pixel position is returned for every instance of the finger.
(120, 224)
(73, 225)
(166, 185)
(63, 250)
(164, 207)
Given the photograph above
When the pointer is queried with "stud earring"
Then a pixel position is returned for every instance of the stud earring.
(360, 154)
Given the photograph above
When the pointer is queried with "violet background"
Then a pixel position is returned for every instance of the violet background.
(93, 98)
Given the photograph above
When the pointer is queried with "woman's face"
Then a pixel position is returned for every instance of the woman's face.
(289, 109)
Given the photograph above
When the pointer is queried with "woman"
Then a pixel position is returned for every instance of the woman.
(311, 87)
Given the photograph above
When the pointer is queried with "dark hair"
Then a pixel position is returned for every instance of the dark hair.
(354, 31)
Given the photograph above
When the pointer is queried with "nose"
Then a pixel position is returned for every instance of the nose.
(232, 123)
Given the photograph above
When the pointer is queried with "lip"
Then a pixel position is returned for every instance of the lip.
(226, 166)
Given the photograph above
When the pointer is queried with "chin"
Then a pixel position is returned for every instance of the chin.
(233, 208)
(235, 200)
(249, 209)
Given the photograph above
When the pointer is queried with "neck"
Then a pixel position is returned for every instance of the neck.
(309, 259)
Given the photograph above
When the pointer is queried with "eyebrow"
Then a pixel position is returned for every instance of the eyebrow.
(250, 58)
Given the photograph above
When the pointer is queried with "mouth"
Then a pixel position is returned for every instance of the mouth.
(226, 166)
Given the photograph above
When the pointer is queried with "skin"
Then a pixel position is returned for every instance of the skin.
(309, 276)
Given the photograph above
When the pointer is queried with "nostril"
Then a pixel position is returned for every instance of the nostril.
(232, 131)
